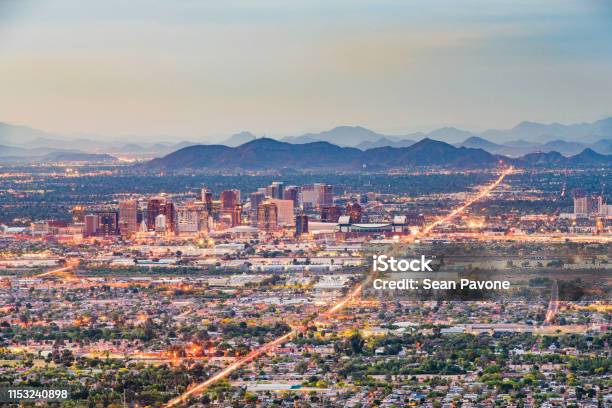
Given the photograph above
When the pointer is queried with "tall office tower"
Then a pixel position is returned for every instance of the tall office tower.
(108, 223)
(580, 203)
(284, 211)
(154, 208)
(354, 212)
(585, 205)
(78, 214)
(229, 198)
(276, 189)
(187, 219)
(255, 199)
(325, 193)
(207, 199)
(308, 196)
(315, 195)
(192, 218)
(168, 211)
(330, 213)
(600, 206)
(237, 215)
(292, 193)
(267, 214)
(202, 215)
(264, 191)
(160, 223)
(128, 216)
(301, 225)
(91, 225)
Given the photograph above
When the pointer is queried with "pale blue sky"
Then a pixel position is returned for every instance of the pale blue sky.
(198, 69)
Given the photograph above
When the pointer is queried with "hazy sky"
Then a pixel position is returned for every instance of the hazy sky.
(202, 69)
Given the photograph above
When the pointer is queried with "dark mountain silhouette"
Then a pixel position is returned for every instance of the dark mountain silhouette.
(543, 159)
(267, 154)
(519, 148)
(428, 152)
(586, 158)
(261, 154)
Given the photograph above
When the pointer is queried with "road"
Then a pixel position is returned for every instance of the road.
(481, 194)
(553, 304)
(69, 266)
(341, 304)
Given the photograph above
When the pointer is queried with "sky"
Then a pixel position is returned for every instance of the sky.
(202, 70)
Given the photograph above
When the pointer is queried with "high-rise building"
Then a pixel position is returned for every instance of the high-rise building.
(229, 198)
(207, 199)
(237, 215)
(192, 218)
(325, 194)
(187, 220)
(168, 211)
(308, 197)
(267, 214)
(91, 225)
(330, 213)
(231, 209)
(315, 195)
(301, 225)
(255, 199)
(276, 190)
(354, 212)
(128, 217)
(292, 193)
(154, 208)
(285, 211)
(108, 223)
(160, 223)
(160, 206)
(585, 205)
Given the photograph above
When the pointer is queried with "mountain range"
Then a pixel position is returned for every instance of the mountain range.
(517, 148)
(25, 143)
(267, 154)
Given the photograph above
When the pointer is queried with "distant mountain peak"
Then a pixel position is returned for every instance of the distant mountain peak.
(238, 139)
(589, 152)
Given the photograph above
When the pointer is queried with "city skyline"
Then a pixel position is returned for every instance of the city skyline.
(206, 71)
(266, 203)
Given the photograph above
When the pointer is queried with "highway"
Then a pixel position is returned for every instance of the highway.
(481, 194)
(341, 304)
